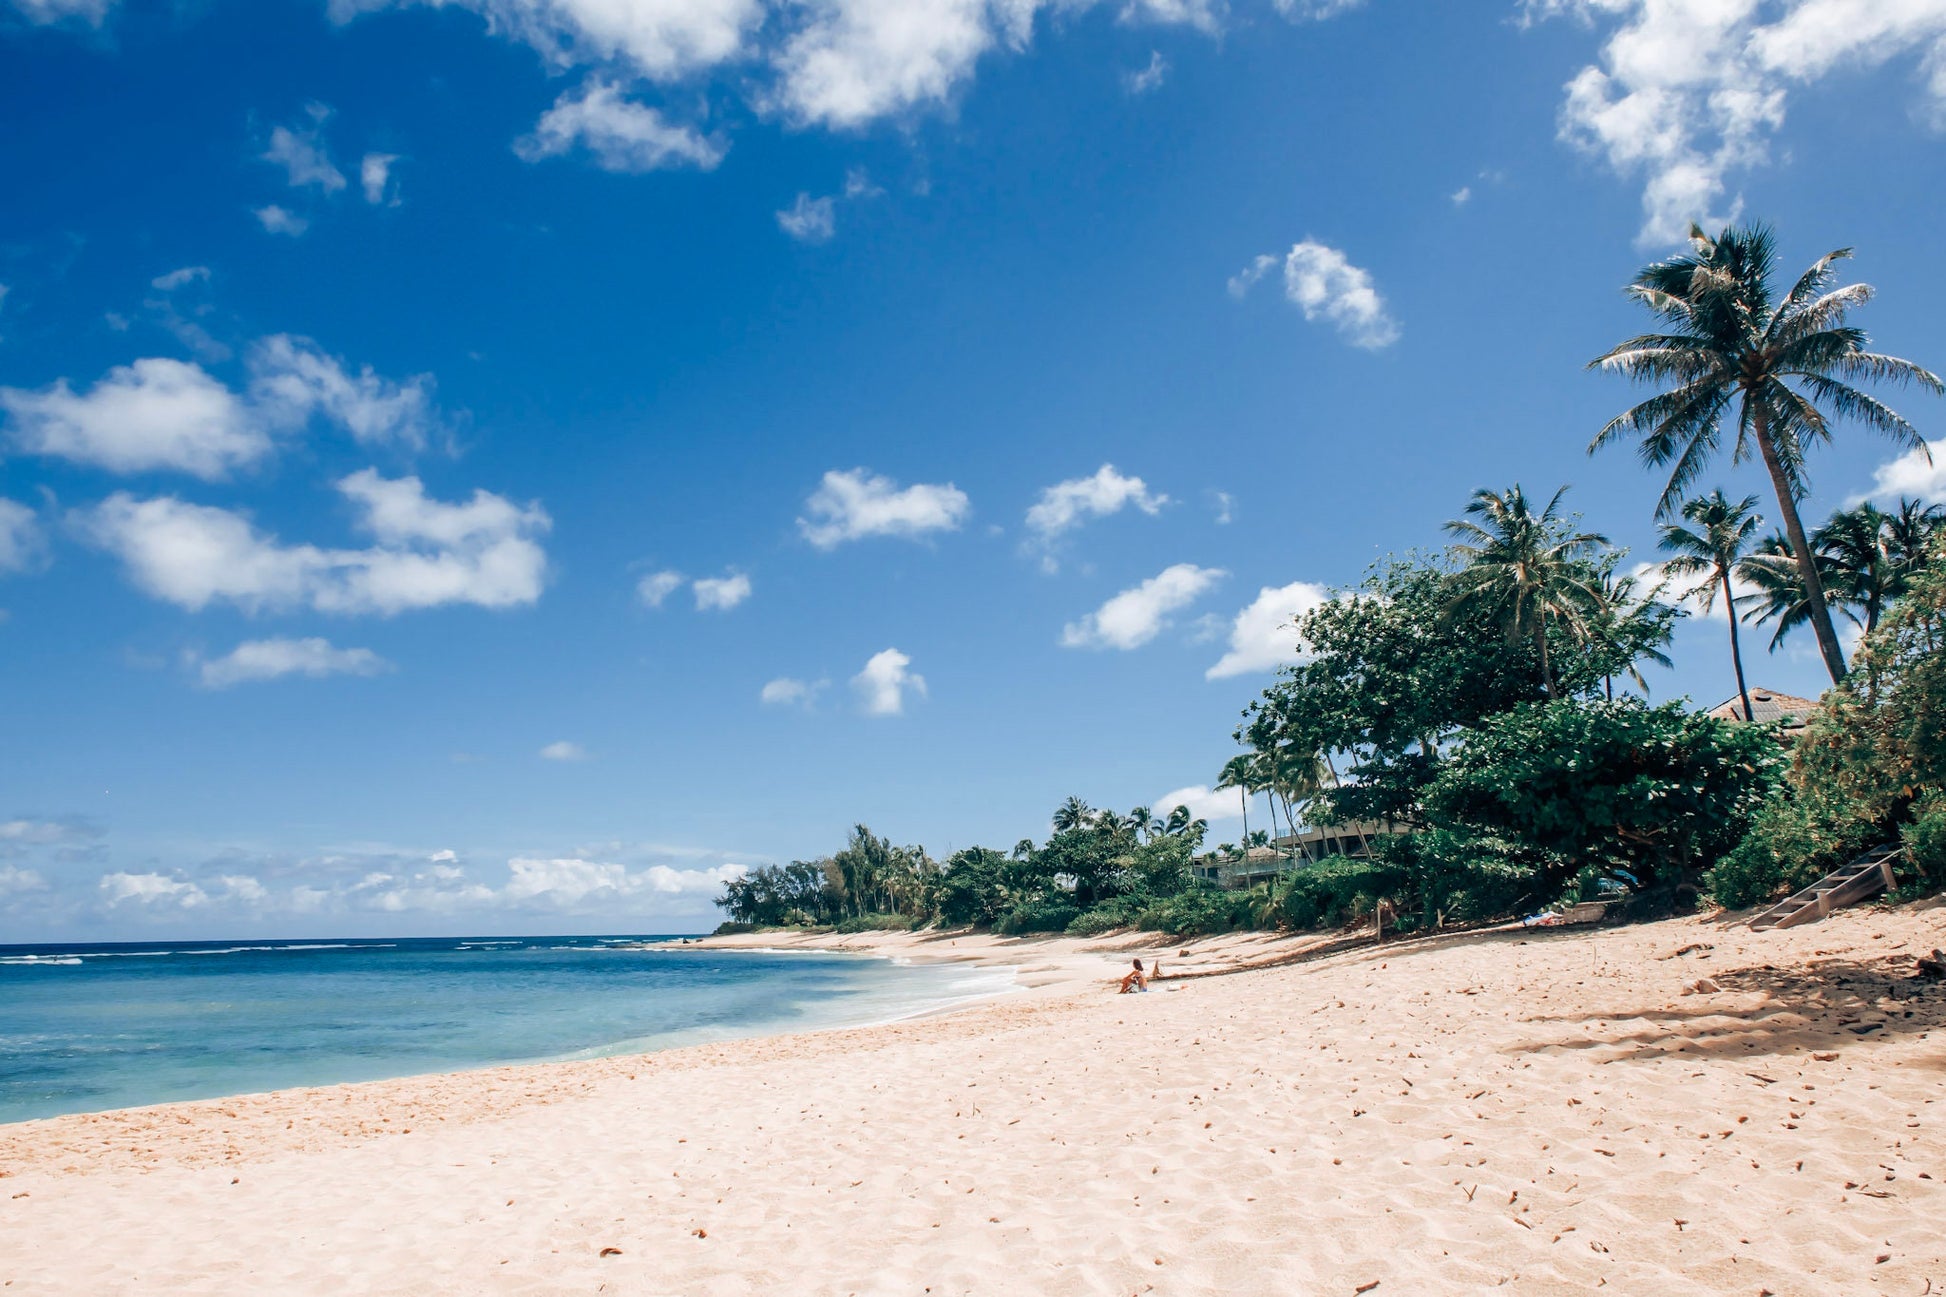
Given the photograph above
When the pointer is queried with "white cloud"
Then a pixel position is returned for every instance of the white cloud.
(302, 155)
(159, 413)
(20, 537)
(1687, 591)
(1149, 78)
(620, 134)
(787, 692)
(1225, 508)
(1911, 474)
(15, 880)
(375, 178)
(570, 882)
(155, 890)
(1261, 637)
(663, 39)
(657, 586)
(53, 11)
(268, 659)
(1137, 615)
(483, 552)
(1322, 282)
(721, 593)
(1688, 92)
(1462, 196)
(1066, 505)
(154, 414)
(293, 378)
(809, 220)
(858, 184)
(1203, 803)
(175, 279)
(564, 751)
(858, 60)
(856, 504)
(884, 683)
(279, 220)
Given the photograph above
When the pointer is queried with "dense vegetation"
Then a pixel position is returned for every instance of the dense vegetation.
(1459, 712)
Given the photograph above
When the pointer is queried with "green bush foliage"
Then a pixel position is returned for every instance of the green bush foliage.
(878, 923)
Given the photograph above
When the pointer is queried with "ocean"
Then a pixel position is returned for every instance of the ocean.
(86, 1028)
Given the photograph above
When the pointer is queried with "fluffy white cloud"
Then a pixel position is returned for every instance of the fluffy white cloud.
(1322, 282)
(1066, 505)
(268, 659)
(785, 691)
(657, 586)
(159, 413)
(1920, 476)
(570, 882)
(1262, 637)
(20, 537)
(809, 220)
(663, 39)
(292, 378)
(154, 414)
(620, 134)
(483, 552)
(856, 504)
(1203, 803)
(721, 593)
(280, 220)
(858, 60)
(564, 751)
(375, 178)
(1137, 615)
(1687, 92)
(302, 155)
(151, 890)
(884, 683)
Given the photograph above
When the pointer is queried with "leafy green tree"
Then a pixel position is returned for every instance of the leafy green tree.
(1651, 795)
(1527, 569)
(1787, 366)
(1711, 547)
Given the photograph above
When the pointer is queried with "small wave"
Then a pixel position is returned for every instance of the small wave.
(41, 961)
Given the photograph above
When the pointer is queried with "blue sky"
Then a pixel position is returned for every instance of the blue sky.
(496, 465)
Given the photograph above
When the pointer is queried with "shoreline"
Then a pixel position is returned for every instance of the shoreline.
(1529, 1110)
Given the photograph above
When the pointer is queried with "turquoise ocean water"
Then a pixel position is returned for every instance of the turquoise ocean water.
(91, 1027)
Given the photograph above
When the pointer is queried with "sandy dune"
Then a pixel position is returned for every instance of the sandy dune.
(1532, 1113)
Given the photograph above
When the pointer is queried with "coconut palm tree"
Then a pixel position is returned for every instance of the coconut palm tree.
(1073, 814)
(1909, 534)
(1236, 774)
(1782, 364)
(1626, 624)
(1776, 586)
(1527, 567)
(1712, 548)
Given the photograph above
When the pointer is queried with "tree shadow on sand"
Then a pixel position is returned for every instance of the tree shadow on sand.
(1825, 1006)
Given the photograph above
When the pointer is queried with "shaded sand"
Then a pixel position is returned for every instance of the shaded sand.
(1542, 1112)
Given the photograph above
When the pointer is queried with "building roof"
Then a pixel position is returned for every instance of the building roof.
(1769, 706)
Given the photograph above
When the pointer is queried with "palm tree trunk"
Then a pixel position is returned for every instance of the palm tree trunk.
(1736, 649)
(1547, 666)
(1807, 566)
(1243, 796)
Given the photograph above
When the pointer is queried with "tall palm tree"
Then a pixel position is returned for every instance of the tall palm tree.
(1909, 534)
(1629, 619)
(1712, 549)
(1782, 364)
(1236, 774)
(1073, 814)
(1529, 568)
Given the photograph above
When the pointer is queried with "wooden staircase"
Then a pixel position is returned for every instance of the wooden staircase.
(1868, 875)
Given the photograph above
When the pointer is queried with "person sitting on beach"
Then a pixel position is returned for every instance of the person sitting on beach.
(1134, 980)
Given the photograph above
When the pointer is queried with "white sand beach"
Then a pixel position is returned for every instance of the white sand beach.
(1531, 1113)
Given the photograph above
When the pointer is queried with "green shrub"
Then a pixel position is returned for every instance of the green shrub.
(878, 923)
(1925, 842)
(1794, 841)
(1037, 916)
(1201, 909)
(1097, 921)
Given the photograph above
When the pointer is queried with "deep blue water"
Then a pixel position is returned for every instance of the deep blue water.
(91, 1027)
